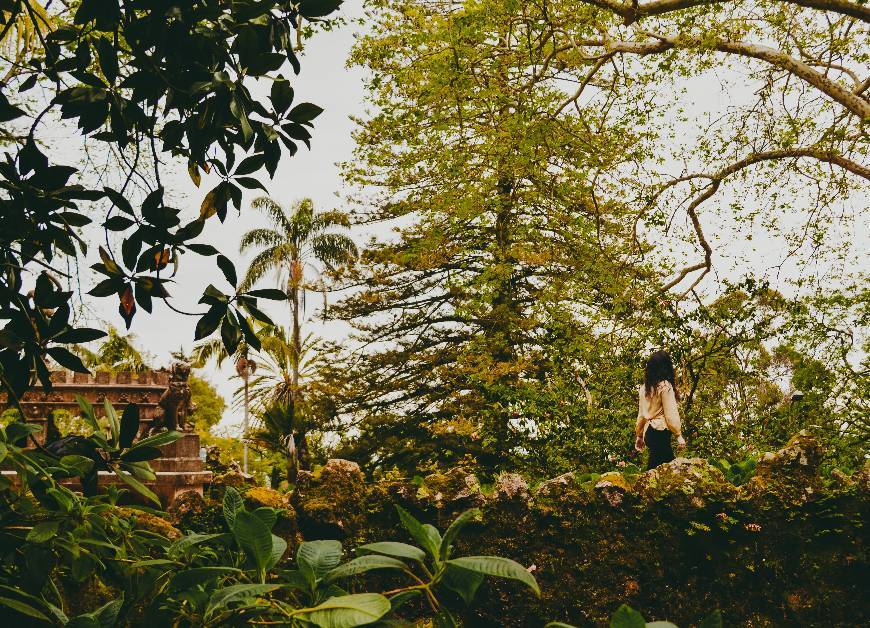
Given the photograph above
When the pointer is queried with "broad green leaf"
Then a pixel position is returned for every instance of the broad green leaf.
(233, 503)
(137, 486)
(454, 529)
(267, 515)
(22, 607)
(88, 413)
(80, 464)
(627, 617)
(129, 425)
(154, 562)
(222, 597)
(361, 564)
(189, 577)
(114, 423)
(499, 567)
(395, 549)
(426, 535)
(346, 611)
(318, 557)
(159, 439)
(254, 538)
(463, 582)
(279, 546)
(141, 453)
(42, 532)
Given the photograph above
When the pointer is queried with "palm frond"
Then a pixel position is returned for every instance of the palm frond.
(260, 238)
(265, 261)
(274, 212)
(334, 249)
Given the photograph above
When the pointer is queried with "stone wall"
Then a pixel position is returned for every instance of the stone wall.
(788, 548)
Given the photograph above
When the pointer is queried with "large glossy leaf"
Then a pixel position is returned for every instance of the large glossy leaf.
(236, 593)
(627, 617)
(254, 538)
(347, 611)
(395, 549)
(362, 564)
(426, 535)
(267, 515)
(279, 547)
(137, 486)
(88, 413)
(316, 558)
(499, 567)
(129, 425)
(463, 582)
(114, 422)
(233, 503)
(22, 607)
(454, 529)
(159, 439)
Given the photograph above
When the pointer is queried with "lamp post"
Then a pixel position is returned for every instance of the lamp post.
(245, 368)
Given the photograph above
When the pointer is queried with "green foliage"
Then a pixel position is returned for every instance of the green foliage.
(136, 78)
(209, 405)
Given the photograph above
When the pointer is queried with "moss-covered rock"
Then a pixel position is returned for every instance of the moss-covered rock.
(454, 490)
(152, 523)
(511, 487)
(789, 476)
(331, 503)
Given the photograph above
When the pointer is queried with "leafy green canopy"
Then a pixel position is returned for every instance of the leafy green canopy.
(525, 152)
(150, 79)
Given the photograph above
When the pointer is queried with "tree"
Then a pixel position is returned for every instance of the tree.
(136, 77)
(284, 414)
(534, 265)
(208, 404)
(116, 353)
(288, 247)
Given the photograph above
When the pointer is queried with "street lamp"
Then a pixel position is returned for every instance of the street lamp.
(245, 368)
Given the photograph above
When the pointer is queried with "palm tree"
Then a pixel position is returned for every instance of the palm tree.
(289, 247)
(271, 393)
(116, 353)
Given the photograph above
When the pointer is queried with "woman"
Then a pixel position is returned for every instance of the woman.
(657, 414)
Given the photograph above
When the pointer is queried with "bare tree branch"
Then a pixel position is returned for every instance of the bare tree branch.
(634, 11)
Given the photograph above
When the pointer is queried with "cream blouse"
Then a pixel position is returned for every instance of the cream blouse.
(659, 410)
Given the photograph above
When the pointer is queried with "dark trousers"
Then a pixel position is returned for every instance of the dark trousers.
(659, 444)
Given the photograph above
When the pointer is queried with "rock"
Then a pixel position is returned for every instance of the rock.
(511, 487)
(331, 502)
(614, 478)
(789, 475)
(455, 489)
(841, 480)
(693, 480)
(152, 523)
(187, 505)
(262, 496)
(801, 455)
(556, 486)
(612, 487)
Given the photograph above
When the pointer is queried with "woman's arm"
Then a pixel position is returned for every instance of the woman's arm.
(640, 425)
(672, 412)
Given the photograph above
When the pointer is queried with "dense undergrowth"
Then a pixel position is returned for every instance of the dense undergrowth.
(774, 545)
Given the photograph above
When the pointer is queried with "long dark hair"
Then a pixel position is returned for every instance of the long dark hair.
(659, 368)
